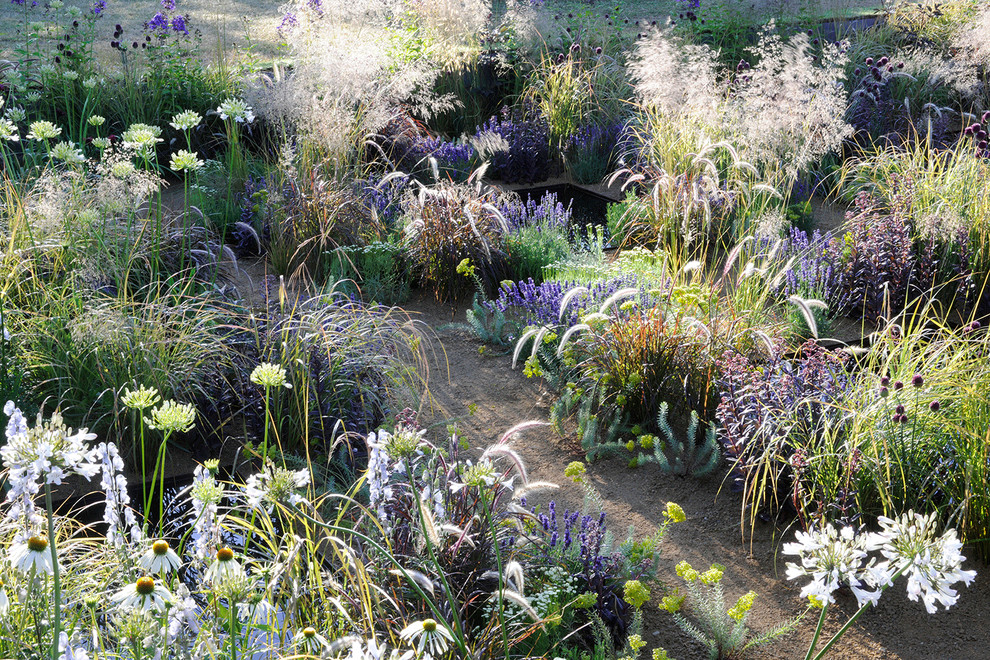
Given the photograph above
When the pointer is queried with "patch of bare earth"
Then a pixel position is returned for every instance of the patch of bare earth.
(487, 397)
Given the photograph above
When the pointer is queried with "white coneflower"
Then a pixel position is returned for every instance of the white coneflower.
(310, 641)
(143, 595)
(224, 567)
(427, 636)
(160, 558)
(32, 555)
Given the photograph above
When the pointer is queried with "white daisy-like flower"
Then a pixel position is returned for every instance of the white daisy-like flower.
(160, 558)
(32, 555)
(835, 558)
(224, 567)
(310, 642)
(427, 636)
(143, 595)
(933, 564)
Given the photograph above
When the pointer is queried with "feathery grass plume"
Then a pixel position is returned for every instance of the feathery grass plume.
(676, 77)
(972, 42)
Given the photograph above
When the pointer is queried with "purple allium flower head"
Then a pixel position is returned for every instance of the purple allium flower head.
(934, 405)
(917, 380)
(898, 385)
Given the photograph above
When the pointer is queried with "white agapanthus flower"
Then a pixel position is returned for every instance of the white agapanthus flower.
(186, 120)
(160, 558)
(275, 485)
(835, 558)
(68, 153)
(43, 130)
(932, 563)
(183, 160)
(145, 595)
(50, 451)
(32, 555)
(8, 131)
(236, 109)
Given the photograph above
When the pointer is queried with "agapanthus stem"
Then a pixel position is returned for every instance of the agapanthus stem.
(56, 583)
(818, 632)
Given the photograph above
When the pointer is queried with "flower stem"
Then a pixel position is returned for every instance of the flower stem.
(56, 583)
(818, 632)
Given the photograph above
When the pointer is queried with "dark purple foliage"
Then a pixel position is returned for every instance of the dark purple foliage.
(880, 268)
(578, 544)
(526, 158)
(781, 406)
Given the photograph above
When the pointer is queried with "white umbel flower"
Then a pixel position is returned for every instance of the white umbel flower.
(835, 558)
(160, 558)
(933, 564)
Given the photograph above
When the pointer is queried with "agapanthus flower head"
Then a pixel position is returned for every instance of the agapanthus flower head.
(268, 375)
(50, 451)
(186, 120)
(144, 594)
(70, 75)
(122, 169)
(172, 417)
(68, 153)
(141, 137)
(834, 558)
(15, 114)
(160, 558)
(32, 556)
(8, 130)
(90, 83)
(141, 398)
(43, 130)
(427, 637)
(932, 562)
(185, 161)
(275, 485)
(237, 110)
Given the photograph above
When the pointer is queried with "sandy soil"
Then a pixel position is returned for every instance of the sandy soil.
(500, 398)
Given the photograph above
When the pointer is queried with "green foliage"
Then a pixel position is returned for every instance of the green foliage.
(531, 248)
(378, 270)
(691, 456)
(721, 630)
